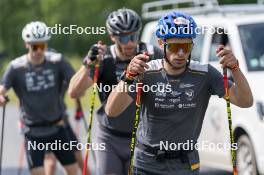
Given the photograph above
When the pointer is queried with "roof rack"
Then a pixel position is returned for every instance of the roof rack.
(156, 9)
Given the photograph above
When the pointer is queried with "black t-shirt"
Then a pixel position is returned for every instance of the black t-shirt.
(110, 71)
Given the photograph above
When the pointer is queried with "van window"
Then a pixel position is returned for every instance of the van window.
(218, 38)
(197, 48)
(154, 39)
(252, 38)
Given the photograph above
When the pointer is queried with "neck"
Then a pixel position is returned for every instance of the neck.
(33, 61)
(121, 56)
(172, 70)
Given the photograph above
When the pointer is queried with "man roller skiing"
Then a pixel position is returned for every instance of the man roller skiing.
(123, 26)
(37, 79)
(174, 115)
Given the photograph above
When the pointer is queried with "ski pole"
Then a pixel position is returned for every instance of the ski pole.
(2, 134)
(142, 49)
(233, 152)
(133, 140)
(228, 109)
(96, 73)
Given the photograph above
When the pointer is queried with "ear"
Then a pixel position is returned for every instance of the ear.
(27, 46)
(161, 43)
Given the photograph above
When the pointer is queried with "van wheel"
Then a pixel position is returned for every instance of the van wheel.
(246, 160)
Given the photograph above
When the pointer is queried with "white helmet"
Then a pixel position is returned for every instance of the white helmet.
(36, 32)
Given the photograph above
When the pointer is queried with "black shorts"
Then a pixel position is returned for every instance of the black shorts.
(71, 136)
(37, 147)
(70, 133)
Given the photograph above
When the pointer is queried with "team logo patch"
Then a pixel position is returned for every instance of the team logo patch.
(189, 94)
(175, 93)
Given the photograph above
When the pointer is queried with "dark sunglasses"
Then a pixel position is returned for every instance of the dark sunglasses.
(125, 39)
(176, 47)
(41, 46)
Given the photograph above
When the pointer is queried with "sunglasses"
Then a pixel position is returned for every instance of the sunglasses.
(125, 39)
(41, 46)
(177, 47)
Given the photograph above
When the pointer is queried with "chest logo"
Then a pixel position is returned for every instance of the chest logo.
(42, 80)
(187, 85)
(189, 94)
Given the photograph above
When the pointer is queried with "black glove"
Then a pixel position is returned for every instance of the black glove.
(91, 56)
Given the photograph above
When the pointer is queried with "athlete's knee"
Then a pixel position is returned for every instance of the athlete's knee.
(37, 171)
(71, 169)
(79, 159)
(50, 164)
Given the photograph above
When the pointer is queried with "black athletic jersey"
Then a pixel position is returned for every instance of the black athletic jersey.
(110, 71)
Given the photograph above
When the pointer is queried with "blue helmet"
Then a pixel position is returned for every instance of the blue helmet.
(176, 25)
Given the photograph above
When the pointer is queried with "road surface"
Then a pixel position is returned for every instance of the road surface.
(13, 142)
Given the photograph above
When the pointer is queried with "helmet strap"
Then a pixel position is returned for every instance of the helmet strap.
(165, 53)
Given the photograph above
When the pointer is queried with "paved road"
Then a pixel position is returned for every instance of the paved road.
(13, 142)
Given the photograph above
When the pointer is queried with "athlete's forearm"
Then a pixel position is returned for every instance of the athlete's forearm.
(3, 92)
(80, 82)
(118, 100)
(241, 90)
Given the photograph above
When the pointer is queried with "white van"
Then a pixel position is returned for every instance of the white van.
(242, 29)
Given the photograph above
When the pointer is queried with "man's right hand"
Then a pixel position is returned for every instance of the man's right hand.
(138, 64)
(3, 100)
(95, 54)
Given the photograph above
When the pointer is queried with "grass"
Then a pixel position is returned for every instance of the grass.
(86, 99)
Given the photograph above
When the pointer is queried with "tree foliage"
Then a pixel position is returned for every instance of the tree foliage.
(14, 14)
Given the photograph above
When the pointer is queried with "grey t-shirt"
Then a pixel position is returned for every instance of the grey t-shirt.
(39, 87)
(111, 69)
(176, 114)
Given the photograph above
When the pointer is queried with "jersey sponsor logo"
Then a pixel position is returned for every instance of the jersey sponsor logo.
(175, 100)
(160, 84)
(187, 85)
(41, 81)
(174, 81)
(159, 99)
(175, 93)
(164, 106)
(189, 94)
(157, 105)
(161, 94)
(187, 105)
